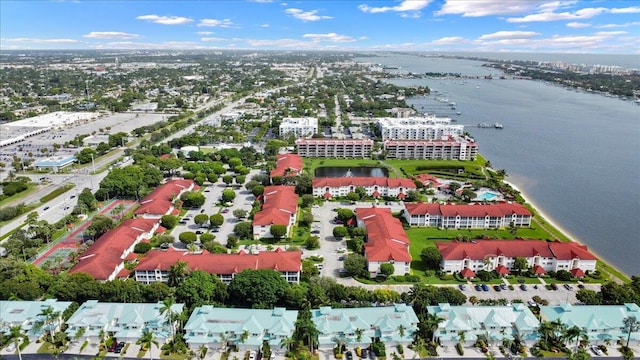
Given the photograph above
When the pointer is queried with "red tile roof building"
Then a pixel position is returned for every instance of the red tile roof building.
(387, 242)
(374, 186)
(472, 216)
(160, 201)
(156, 263)
(449, 149)
(279, 207)
(105, 258)
(287, 165)
(541, 255)
(335, 148)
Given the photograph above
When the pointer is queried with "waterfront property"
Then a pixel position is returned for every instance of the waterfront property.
(494, 323)
(447, 149)
(500, 255)
(279, 207)
(287, 165)
(359, 327)
(104, 260)
(160, 201)
(35, 318)
(335, 148)
(473, 216)
(299, 127)
(125, 321)
(601, 323)
(247, 329)
(418, 128)
(155, 265)
(387, 242)
(374, 186)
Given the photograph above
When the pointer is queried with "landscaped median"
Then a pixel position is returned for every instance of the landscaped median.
(57, 192)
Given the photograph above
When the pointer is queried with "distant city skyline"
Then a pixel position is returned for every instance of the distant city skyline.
(605, 27)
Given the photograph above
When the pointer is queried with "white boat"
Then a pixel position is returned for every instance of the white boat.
(497, 126)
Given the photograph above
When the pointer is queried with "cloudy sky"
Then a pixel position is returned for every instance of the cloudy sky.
(573, 26)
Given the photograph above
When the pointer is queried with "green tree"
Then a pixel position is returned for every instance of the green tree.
(100, 224)
(353, 196)
(177, 273)
(257, 190)
(240, 213)
(278, 231)
(167, 308)
(258, 289)
(147, 340)
(243, 230)
(227, 179)
(216, 220)
(228, 195)
(387, 269)
(201, 288)
(356, 265)
(201, 219)
(339, 232)
(631, 325)
(192, 199)
(307, 200)
(520, 264)
(168, 221)
(86, 197)
(15, 333)
(188, 237)
(431, 257)
(345, 215)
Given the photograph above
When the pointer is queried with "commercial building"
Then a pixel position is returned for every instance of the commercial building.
(124, 321)
(287, 165)
(279, 207)
(373, 186)
(359, 327)
(475, 216)
(601, 324)
(494, 323)
(418, 128)
(54, 163)
(387, 242)
(500, 255)
(155, 265)
(449, 149)
(31, 317)
(104, 260)
(334, 148)
(219, 328)
(299, 127)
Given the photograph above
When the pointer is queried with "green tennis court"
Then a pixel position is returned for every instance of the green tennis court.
(58, 254)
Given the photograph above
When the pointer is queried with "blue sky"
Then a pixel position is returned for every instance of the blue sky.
(412, 25)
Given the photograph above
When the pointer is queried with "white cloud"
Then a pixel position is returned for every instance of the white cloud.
(629, 10)
(411, 6)
(478, 8)
(41, 41)
(280, 43)
(205, 32)
(613, 26)
(449, 40)
(585, 13)
(264, 25)
(578, 25)
(306, 15)
(330, 37)
(213, 39)
(110, 35)
(224, 23)
(509, 35)
(141, 45)
(165, 20)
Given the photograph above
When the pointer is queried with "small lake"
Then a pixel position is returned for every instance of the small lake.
(335, 171)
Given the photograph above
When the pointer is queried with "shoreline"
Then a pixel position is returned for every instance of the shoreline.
(548, 219)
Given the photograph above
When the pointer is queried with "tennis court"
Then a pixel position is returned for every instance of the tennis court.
(61, 253)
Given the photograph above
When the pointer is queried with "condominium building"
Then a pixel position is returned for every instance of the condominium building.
(287, 165)
(279, 207)
(373, 186)
(418, 128)
(299, 127)
(449, 149)
(500, 255)
(476, 216)
(334, 148)
(31, 317)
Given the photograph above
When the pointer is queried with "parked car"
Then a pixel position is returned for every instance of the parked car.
(119, 348)
(485, 287)
(462, 287)
(349, 355)
(497, 288)
(113, 345)
(568, 287)
(315, 231)
(523, 287)
(596, 350)
(199, 232)
(478, 287)
(503, 286)
(45, 208)
(224, 211)
(554, 286)
(252, 355)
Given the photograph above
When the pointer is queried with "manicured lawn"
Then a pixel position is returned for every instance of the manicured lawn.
(30, 188)
(413, 167)
(431, 233)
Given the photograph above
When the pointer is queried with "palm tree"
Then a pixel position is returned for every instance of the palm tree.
(287, 343)
(16, 333)
(244, 337)
(79, 333)
(401, 330)
(49, 315)
(432, 323)
(572, 333)
(631, 324)
(462, 337)
(545, 329)
(358, 332)
(177, 273)
(166, 308)
(102, 336)
(202, 351)
(147, 341)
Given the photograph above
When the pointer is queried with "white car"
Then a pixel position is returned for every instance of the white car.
(252, 355)
(341, 249)
(596, 350)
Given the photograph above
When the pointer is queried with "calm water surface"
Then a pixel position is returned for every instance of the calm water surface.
(574, 154)
(336, 171)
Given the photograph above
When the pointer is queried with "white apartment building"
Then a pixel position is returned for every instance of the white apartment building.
(334, 148)
(299, 127)
(418, 128)
(449, 149)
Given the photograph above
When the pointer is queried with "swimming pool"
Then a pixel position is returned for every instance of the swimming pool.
(487, 196)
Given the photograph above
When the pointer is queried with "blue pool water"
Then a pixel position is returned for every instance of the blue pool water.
(486, 196)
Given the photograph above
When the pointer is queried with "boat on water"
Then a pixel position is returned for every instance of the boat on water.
(498, 126)
(458, 113)
(483, 125)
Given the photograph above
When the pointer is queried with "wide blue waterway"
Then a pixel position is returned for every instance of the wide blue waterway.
(573, 154)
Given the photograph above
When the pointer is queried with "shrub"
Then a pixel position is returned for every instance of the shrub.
(460, 349)
(378, 348)
(142, 248)
(400, 349)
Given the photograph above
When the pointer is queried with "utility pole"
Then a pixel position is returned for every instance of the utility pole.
(93, 164)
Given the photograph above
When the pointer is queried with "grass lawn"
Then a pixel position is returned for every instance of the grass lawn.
(30, 188)
(419, 166)
(47, 348)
